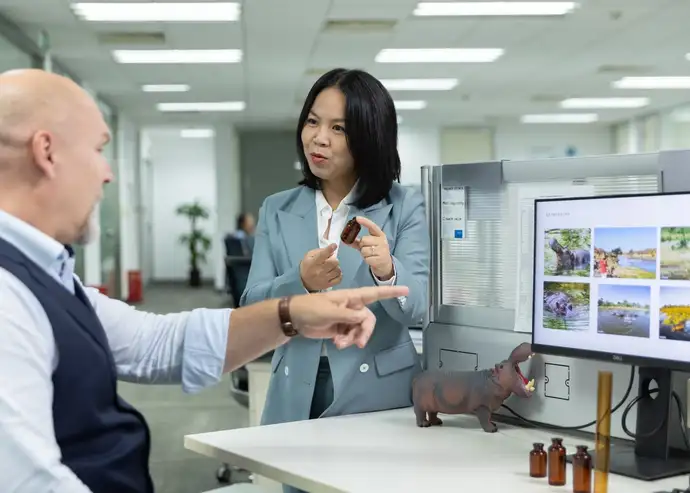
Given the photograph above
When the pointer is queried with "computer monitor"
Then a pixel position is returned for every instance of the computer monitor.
(612, 283)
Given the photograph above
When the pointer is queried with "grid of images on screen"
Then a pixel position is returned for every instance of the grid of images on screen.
(620, 266)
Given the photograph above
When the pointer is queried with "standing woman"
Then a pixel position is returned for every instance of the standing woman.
(347, 138)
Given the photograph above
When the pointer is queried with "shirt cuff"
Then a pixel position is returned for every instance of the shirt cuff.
(389, 282)
(205, 347)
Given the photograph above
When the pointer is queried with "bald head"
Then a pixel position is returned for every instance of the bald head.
(31, 100)
(52, 169)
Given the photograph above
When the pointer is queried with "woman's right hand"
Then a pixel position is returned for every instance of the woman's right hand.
(320, 269)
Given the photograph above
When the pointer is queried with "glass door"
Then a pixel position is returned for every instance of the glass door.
(110, 216)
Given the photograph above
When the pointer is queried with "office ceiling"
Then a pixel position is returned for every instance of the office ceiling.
(287, 44)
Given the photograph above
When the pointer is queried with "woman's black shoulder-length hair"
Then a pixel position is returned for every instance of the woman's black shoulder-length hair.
(371, 128)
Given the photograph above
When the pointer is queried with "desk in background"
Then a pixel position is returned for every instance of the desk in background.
(386, 452)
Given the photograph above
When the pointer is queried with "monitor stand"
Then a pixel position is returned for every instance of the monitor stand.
(650, 458)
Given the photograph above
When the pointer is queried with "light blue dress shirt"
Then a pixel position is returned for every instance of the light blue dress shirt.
(187, 348)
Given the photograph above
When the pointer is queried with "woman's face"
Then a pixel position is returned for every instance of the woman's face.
(324, 139)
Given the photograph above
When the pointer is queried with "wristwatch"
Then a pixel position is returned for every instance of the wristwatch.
(284, 316)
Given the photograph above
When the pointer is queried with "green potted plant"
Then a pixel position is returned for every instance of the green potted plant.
(197, 242)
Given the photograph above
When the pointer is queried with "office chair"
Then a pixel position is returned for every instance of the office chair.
(237, 264)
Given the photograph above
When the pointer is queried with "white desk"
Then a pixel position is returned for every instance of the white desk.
(386, 452)
(259, 378)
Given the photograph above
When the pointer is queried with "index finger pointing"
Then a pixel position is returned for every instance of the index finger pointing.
(373, 228)
(375, 293)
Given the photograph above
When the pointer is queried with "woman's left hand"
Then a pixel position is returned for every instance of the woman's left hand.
(374, 250)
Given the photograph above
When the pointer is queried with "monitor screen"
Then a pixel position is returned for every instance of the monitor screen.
(612, 278)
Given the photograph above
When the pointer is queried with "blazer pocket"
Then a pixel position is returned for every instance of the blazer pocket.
(395, 359)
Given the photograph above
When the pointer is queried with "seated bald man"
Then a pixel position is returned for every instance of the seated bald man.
(63, 346)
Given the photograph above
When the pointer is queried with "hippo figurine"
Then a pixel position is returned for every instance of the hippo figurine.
(470, 392)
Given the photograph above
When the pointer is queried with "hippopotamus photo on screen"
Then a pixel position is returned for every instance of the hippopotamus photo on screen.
(558, 303)
(569, 260)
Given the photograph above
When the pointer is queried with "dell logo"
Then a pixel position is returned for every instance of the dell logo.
(617, 358)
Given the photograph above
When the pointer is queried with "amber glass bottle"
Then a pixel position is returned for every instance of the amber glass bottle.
(537, 461)
(582, 470)
(556, 462)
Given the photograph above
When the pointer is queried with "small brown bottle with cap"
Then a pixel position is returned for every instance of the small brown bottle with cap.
(582, 470)
(556, 462)
(537, 461)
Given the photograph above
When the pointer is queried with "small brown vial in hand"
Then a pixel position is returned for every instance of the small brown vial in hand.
(537, 461)
(556, 462)
(350, 232)
(582, 470)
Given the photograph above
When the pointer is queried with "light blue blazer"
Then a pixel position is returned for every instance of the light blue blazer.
(378, 376)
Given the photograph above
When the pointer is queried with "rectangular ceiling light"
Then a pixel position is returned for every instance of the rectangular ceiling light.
(165, 88)
(157, 12)
(439, 55)
(192, 107)
(561, 118)
(652, 83)
(409, 105)
(197, 133)
(177, 56)
(482, 9)
(604, 103)
(419, 84)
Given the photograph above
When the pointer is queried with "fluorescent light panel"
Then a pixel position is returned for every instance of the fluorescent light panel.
(419, 84)
(188, 107)
(177, 56)
(165, 88)
(157, 12)
(197, 133)
(603, 103)
(481, 9)
(439, 55)
(410, 105)
(561, 118)
(652, 83)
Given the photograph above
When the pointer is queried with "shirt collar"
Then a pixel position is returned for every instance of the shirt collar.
(322, 204)
(38, 246)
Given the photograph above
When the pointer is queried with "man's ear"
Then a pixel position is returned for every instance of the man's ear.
(42, 148)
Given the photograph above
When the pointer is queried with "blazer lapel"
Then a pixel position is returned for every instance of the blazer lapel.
(350, 258)
(298, 227)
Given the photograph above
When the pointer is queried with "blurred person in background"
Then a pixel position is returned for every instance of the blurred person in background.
(244, 231)
(346, 140)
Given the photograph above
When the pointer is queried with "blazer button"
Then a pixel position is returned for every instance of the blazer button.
(364, 368)
(286, 371)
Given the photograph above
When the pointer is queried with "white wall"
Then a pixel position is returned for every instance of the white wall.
(183, 170)
(517, 142)
(417, 146)
(130, 196)
(421, 146)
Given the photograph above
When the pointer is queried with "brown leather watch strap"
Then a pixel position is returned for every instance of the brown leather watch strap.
(284, 316)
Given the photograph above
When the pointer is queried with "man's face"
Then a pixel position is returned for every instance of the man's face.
(81, 171)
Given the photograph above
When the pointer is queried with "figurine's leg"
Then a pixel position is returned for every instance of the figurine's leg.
(484, 415)
(421, 417)
(434, 420)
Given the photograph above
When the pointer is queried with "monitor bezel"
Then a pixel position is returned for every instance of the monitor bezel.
(585, 353)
